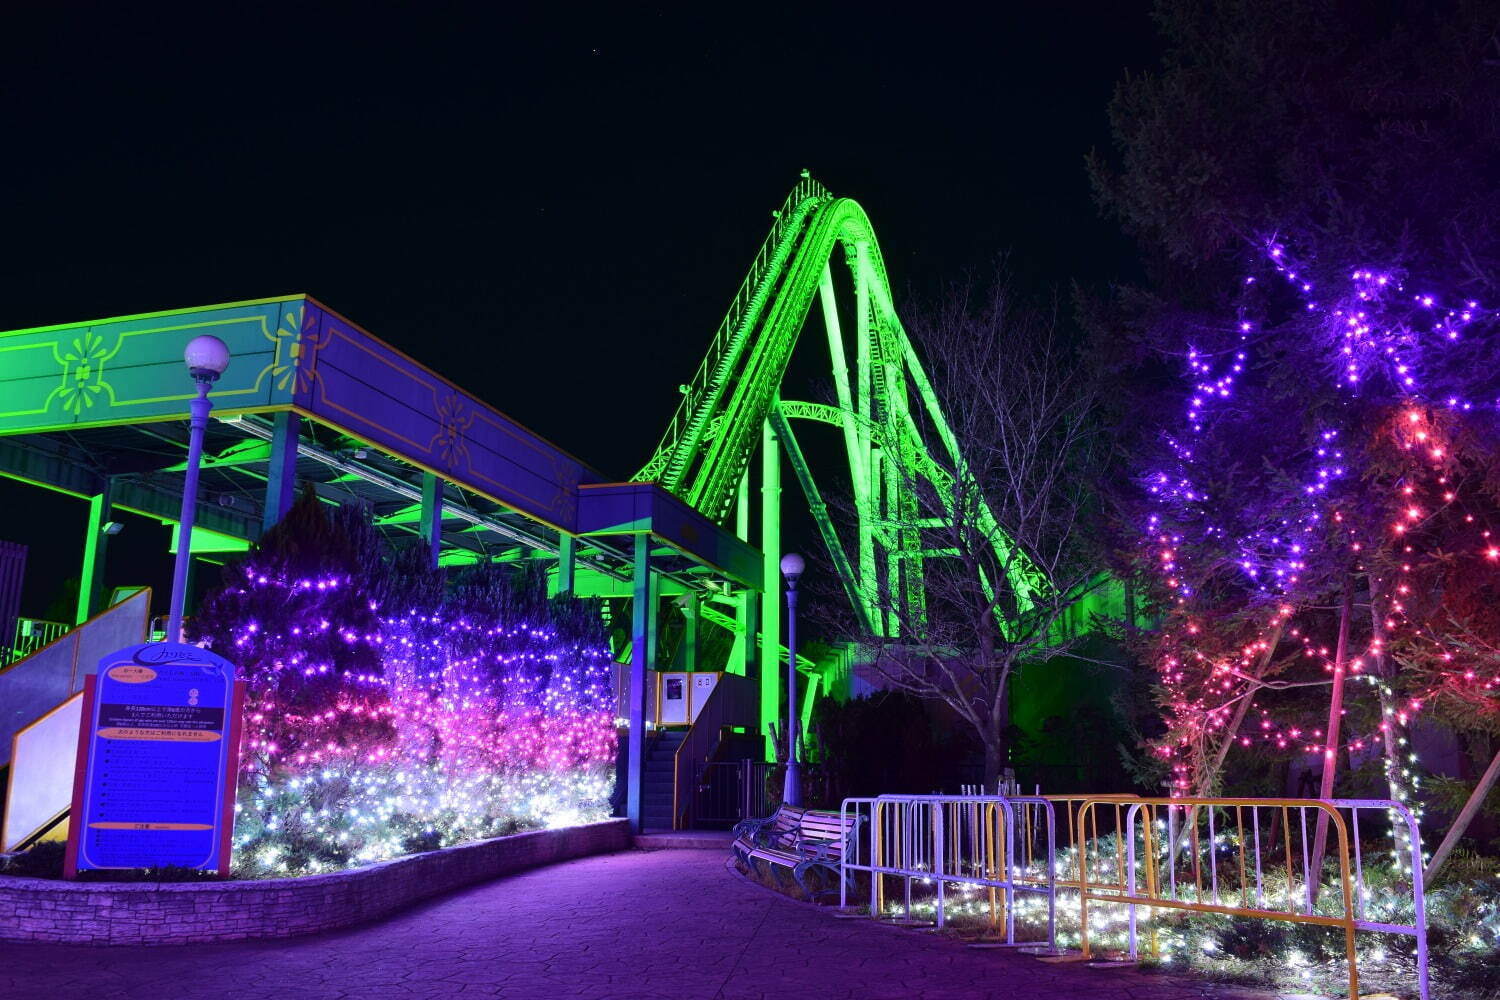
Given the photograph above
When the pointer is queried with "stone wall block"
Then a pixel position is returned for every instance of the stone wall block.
(179, 913)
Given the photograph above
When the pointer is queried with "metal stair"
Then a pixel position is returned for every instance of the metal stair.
(656, 803)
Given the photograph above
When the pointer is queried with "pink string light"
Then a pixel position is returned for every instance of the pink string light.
(1383, 343)
(459, 728)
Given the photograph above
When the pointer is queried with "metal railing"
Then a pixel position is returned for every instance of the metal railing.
(728, 791)
(1234, 857)
(31, 634)
(50, 674)
(743, 310)
(938, 841)
(1083, 859)
(1252, 858)
(719, 792)
(730, 703)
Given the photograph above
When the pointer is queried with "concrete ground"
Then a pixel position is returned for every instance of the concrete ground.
(672, 924)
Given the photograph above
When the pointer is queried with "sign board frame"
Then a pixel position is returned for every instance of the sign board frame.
(39, 786)
(139, 666)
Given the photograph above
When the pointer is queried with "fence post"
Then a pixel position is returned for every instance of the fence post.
(1129, 832)
(939, 853)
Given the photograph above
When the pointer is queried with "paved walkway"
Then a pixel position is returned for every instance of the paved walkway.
(664, 925)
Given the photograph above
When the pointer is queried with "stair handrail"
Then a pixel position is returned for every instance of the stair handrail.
(730, 703)
(21, 701)
(37, 632)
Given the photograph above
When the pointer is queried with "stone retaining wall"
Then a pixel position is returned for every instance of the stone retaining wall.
(177, 913)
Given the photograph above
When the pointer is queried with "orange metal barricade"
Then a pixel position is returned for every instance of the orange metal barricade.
(1226, 871)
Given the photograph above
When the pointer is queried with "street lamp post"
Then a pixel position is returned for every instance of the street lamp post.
(792, 566)
(206, 358)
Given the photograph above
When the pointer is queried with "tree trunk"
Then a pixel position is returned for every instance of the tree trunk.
(1331, 734)
(1204, 785)
(1209, 772)
(994, 760)
(1206, 779)
(1387, 701)
(1465, 817)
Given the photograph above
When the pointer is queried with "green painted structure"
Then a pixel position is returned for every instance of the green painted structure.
(97, 410)
(733, 405)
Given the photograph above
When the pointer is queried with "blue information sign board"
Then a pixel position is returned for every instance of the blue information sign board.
(158, 751)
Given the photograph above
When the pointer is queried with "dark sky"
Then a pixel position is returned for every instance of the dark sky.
(553, 209)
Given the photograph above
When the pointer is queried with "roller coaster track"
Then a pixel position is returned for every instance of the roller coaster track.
(706, 451)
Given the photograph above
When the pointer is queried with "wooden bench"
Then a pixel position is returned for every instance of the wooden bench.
(795, 839)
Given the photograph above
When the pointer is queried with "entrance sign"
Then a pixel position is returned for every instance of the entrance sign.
(158, 752)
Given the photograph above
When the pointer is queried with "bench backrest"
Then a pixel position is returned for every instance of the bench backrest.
(787, 819)
(785, 827)
(830, 829)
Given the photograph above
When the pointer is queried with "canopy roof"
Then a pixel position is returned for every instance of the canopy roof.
(103, 403)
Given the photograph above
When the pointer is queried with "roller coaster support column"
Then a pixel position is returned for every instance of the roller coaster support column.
(642, 651)
(770, 544)
(863, 465)
(856, 446)
(742, 656)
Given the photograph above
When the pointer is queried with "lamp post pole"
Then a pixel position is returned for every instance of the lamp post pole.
(206, 358)
(791, 568)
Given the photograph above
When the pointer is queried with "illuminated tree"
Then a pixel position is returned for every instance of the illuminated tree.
(1361, 141)
(299, 619)
(385, 714)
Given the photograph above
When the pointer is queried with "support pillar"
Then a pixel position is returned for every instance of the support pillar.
(865, 399)
(809, 699)
(690, 633)
(432, 517)
(281, 475)
(95, 541)
(642, 652)
(770, 543)
(567, 563)
(189, 595)
(742, 508)
(742, 655)
(856, 442)
(752, 629)
(895, 604)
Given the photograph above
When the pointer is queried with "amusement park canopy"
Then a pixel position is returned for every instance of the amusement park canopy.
(97, 409)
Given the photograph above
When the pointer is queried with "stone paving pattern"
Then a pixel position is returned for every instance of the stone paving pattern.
(664, 925)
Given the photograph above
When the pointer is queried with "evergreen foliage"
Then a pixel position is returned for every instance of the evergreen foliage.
(389, 710)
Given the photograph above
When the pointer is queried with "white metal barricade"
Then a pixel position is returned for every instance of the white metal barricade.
(944, 840)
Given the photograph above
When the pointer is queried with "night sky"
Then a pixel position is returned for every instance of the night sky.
(553, 209)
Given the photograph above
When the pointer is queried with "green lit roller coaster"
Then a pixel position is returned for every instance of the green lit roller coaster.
(733, 404)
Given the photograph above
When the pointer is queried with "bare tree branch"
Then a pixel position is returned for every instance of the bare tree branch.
(996, 493)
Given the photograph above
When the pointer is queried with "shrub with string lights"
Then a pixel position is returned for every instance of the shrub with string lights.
(389, 713)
